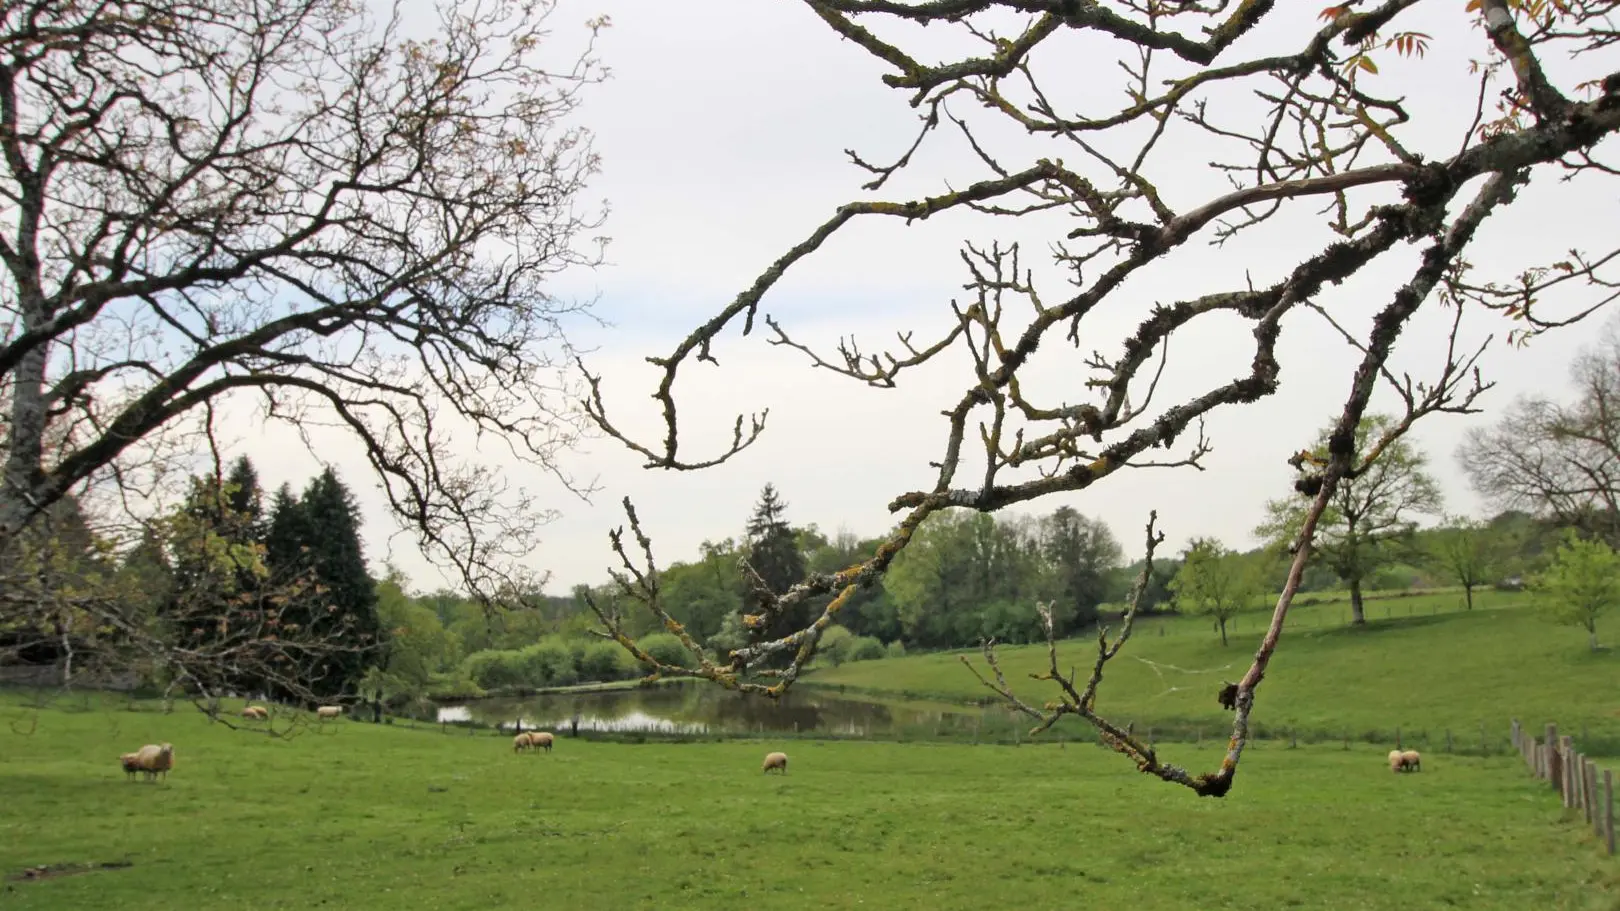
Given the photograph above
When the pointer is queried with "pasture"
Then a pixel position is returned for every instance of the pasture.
(1409, 668)
(361, 816)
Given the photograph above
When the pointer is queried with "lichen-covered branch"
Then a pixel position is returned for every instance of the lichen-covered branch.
(1305, 126)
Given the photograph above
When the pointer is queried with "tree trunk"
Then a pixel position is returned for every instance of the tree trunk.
(25, 438)
(1468, 595)
(1223, 632)
(1591, 633)
(1358, 616)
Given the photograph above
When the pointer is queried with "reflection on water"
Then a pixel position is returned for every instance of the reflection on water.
(703, 708)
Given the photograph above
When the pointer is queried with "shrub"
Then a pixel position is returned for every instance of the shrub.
(864, 648)
(665, 647)
(494, 668)
(604, 661)
(834, 645)
(895, 649)
(550, 662)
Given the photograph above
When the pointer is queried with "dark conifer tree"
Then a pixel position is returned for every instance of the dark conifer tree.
(773, 551)
(315, 540)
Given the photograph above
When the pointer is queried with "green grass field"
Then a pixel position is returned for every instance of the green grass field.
(1422, 672)
(367, 816)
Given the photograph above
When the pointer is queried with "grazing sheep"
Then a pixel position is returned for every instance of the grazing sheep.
(328, 711)
(522, 741)
(255, 712)
(154, 760)
(1412, 760)
(1395, 763)
(541, 739)
(775, 761)
(131, 764)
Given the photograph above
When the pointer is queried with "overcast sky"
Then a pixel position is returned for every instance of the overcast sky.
(721, 132)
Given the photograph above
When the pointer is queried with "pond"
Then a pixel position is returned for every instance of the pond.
(700, 707)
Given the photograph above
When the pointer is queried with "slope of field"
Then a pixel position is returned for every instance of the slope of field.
(1409, 668)
(366, 816)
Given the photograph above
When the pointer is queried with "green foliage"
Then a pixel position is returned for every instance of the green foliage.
(1081, 553)
(1417, 670)
(966, 573)
(1582, 583)
(833, 649)
(416, 646)
(602, 660)
(550, 662)
(733, 635)
(496, 669)
(701, 595)
(1368, 524)
(1466, 552)
(1215, 582)
(895, 649)
(666, 648)
(455, 822)
(1010, 621)
(864, 648)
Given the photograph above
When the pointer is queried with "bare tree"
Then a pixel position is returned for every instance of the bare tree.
(1305, 126)
(293, 208)
(1559, 461)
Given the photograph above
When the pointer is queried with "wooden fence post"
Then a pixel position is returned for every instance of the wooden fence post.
(1581, 799)
(1551, 743)
(1565, 744)
(1595, 804)
(1608, 808)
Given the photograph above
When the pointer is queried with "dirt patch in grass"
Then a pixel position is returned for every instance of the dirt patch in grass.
(52, 871)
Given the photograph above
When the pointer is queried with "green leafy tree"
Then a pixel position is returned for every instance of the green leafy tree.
(869, 611)
(1369, 522)
(216, 599)
(1083, 554)
(1215, 582)
(1581, 584)
(701, 595)
(59, 592)
(1466, 551)
(415, 645)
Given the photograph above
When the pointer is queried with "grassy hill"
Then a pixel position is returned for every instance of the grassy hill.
(366, 816)
(1420, 664)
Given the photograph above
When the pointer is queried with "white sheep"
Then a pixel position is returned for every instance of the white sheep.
(522, 741)
(1395, 763)
(154, 760)
(541, 739)
(775, 761)
(1412, 760)
(255, 712)
(328, 711)
(131, 764)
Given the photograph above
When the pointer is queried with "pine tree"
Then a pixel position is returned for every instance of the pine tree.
(244, 496)
(773, 552)
(316, 539)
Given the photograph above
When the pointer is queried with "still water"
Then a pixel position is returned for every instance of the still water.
(700, 707)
